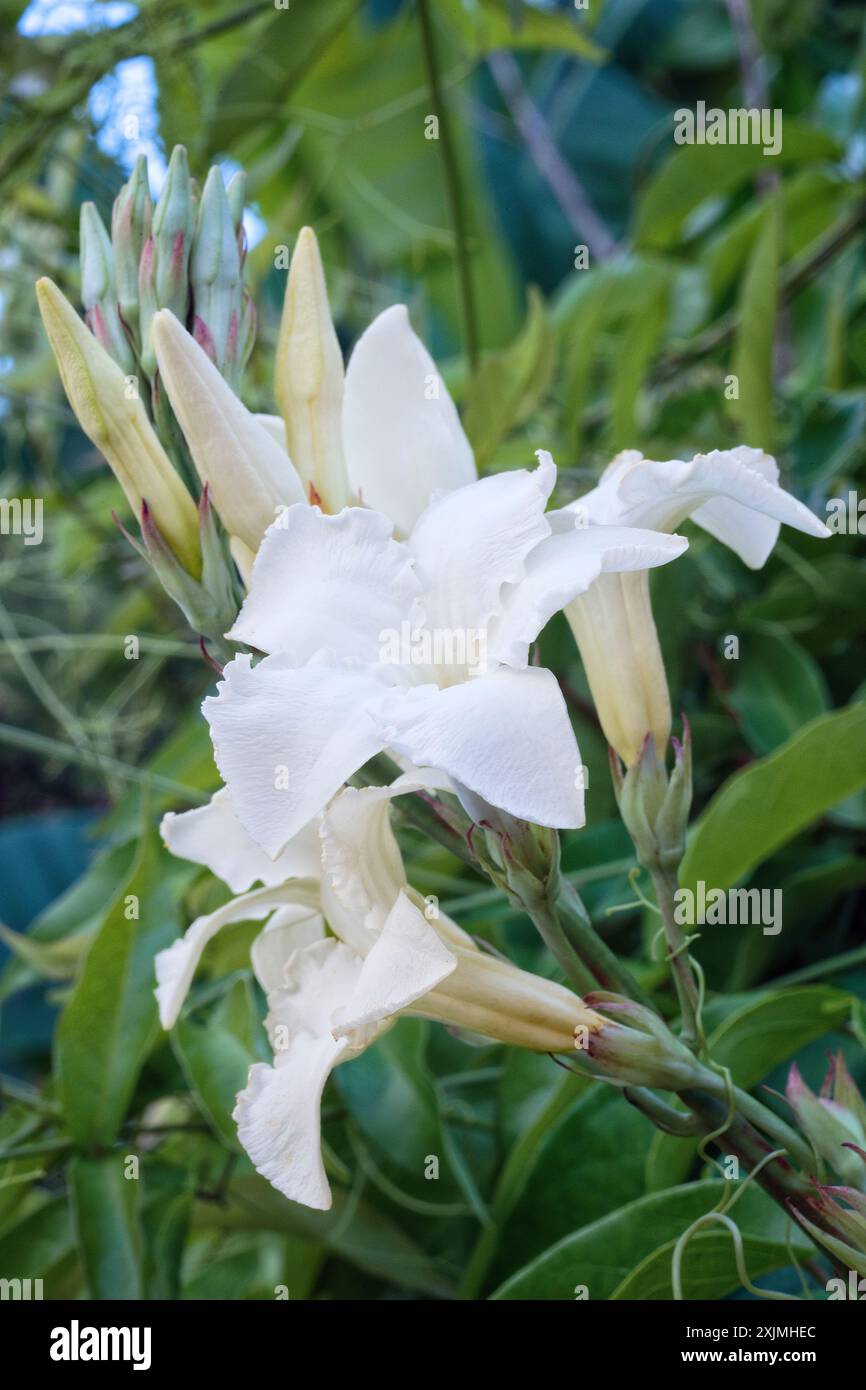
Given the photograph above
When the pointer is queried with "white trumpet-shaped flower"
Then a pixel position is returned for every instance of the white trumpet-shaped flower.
(344, 952)
(421, 647)
(733, 494)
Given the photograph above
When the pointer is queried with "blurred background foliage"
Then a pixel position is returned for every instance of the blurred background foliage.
(700, 263)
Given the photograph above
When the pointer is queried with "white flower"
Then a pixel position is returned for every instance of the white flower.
(328, 595)
(733, 494)
(331, 995)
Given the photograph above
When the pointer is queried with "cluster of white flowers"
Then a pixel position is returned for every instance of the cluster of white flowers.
(359, 513)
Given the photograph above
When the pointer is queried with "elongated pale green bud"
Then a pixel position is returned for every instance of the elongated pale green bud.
(107, 406)
(250, 477)
(131, 220)
(309, 379)
(163, 273)
(236, 193)
(97, 288)
(215, 278)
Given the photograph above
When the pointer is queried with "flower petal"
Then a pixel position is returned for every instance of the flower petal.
(289, 929)
(732, 493)
(176, 965)
(213, 836)
(471, 542)
(287, 737)
(278, 1119)
(402, 443)
(407, 960)
(327, 581)
(563, 566)
(505, 735)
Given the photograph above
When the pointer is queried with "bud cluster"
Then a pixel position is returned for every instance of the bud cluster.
(185, 254)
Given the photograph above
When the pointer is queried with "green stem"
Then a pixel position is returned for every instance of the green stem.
(452, 185)
(605, 968)
(547, 923)
(688, 994)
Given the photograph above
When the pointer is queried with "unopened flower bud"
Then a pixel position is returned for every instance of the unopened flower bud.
(215, 278)
(834, 1121)
(163, 274)
(111, 414)
(250, 476)
(97, 288)
(309, 379)
(131, 220)
(654, 805)
(636, 1048)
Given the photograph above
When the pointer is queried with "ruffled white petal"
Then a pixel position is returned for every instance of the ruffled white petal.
(213, 836)
(286, 738)
(406, 961)
(563, 566)
(278, 1120)
(289, 929)
(327, 581)
(471, 542)
(176, 965)
(733, 493)
(402, 435)
(505, 735)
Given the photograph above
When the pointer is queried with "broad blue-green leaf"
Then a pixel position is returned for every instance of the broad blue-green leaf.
(768, 803)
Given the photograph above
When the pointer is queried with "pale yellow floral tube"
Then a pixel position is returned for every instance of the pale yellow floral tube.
(616, 635)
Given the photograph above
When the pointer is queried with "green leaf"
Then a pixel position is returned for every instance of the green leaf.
(104, 1215)
(486, 25)
(510, 383)
(756, 336)
(709, 1268)
(36, 1244)
(768, 803)
(779, 688)
(694, 173)
(607, 1252)
(352, 1229)
(390, 1094)
(216, 1056)
(110, 1022)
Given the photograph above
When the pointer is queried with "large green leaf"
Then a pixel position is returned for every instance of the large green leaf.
(768, 803)
(104, 1202)
(110, 1021)
(779, 688)
(608, 1252)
